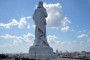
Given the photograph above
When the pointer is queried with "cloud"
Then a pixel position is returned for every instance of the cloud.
(33, 26)
(14, 47)
(56, 43)
(28, 17)
(52, 39)
(9, 25)
(21, 24)
(56, 18)
(64, 24)
(81, 31)
(63, 45)
(64, 29)
(74, 46)
(26, 38)
(28, 26)
(16, 44)
(7, 36)
(53, 11)
(82, 36)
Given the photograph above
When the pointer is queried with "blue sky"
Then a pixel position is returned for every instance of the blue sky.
(67, 25)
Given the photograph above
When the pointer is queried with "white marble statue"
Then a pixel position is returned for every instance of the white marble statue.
(39, 18)
(40, 49)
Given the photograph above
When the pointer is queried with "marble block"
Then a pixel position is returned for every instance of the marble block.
(41, 52)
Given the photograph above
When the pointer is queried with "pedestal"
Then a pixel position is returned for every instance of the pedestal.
(41, 52)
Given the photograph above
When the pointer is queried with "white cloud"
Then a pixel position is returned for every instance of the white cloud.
(55, 17)
(82, 36)
(28, 26)
(14, 48)
(6, 36)
(27, 38)
(21, 24)
(29, 17)
(85, 46)
(65, 21)
(52, 39)
(56, 43)
(64, 24)
(11, 24)
(53, 11)
(64, 29)
(33, 26)
(73, 46)
(16, 44)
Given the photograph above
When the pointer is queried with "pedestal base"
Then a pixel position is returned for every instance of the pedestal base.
(41, 52)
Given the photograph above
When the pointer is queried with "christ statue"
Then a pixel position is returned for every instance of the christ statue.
(39, 18)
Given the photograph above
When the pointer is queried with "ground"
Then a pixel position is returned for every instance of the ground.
(52, 59)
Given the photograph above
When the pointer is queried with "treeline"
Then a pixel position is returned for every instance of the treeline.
(3, 56)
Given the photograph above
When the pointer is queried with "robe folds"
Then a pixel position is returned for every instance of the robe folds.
(40, 30)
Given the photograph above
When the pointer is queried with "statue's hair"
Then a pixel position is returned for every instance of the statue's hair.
(40, 5)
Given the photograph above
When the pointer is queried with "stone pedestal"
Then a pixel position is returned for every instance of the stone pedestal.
(41, 52)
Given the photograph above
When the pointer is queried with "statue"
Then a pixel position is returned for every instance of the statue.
(40, 49)
(40, 30)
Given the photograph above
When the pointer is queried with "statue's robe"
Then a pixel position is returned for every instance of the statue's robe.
(40, 30)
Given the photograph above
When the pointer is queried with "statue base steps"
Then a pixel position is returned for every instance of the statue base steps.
(41, 52)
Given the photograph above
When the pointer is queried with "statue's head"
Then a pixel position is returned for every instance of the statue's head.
(40, 4)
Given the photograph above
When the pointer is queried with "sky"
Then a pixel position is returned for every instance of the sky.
(68, 25)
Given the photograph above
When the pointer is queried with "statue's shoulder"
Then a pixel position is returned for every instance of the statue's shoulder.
(40, 9)
(43, 9)
(36, 10)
